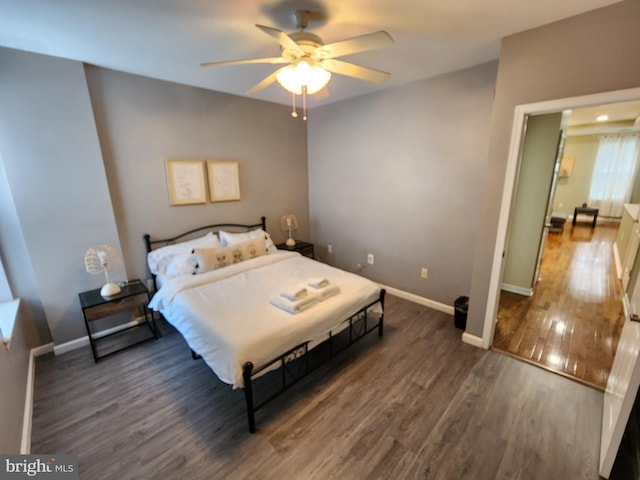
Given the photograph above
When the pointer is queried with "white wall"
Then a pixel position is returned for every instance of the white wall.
(396, 174)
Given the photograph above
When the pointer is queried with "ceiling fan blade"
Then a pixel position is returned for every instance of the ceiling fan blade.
(363, 43)
(356, 71)
(283, 39)
(265, 83)
(273, 60)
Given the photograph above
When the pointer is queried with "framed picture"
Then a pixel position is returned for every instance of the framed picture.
(566, 167)
(224, 181)
(186, 181)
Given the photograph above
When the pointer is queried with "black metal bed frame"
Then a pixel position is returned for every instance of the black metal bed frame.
(358, 327)
(294, 364)
(151, 244)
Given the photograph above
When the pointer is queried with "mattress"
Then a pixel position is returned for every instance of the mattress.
(225, 315)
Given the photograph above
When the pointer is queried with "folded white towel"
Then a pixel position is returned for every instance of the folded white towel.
(328, 291)
(294, 306)
(318, 282)
(294, 292)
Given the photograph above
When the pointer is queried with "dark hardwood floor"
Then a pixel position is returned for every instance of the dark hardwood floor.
(572, 323)
(417, 403)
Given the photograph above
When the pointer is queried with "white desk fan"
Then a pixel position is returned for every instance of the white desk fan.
(289, 223)
(102, 259)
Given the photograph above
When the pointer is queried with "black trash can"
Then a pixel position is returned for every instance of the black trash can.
(461, 307)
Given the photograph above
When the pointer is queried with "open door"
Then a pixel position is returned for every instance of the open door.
(623, 382)
(552, 194)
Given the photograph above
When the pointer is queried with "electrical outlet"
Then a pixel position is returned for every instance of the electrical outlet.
(424, 273)
(370, 258)
(329, 248)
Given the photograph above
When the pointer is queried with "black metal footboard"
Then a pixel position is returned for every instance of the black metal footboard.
(294, 364)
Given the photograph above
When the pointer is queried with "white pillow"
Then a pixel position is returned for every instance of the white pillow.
(160, 260)
(181, 264)
(229, 238)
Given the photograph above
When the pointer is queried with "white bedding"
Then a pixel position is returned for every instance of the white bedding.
(226, 317)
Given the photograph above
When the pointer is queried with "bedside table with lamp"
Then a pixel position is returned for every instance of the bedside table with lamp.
(289, 223)
(112, 299)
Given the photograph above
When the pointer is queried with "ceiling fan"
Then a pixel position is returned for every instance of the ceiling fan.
(310, 63)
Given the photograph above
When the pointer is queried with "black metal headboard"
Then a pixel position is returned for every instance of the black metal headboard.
(151, 244)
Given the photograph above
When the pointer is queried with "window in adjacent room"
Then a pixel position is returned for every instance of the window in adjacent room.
(613, 173)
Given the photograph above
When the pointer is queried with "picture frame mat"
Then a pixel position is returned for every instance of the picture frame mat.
(186, 181)
(224, 180)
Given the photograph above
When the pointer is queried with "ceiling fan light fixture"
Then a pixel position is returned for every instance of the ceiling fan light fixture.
(294, 77)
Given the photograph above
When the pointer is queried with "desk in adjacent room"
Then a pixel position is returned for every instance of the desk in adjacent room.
(585, 211)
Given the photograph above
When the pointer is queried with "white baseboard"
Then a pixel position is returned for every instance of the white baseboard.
(473, 340)
(412, 297)
(466, 337)
(42, 350)
(25, 442)
(626, 306)
(616, 257)
(83, 341)
(517, 289)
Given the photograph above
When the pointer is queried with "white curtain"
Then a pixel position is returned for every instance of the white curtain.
(613, 174)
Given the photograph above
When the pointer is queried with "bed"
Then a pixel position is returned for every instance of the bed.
(248, 309)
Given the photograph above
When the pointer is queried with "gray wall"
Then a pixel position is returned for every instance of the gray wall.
(531, 199)
(396, 174)
(589, 53)
(55, 176)
(142, 121)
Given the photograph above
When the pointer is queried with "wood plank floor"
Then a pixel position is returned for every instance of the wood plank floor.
(417, 403)
(572, 323)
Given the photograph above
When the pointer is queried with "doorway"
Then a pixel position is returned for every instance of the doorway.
(571, 323)
(520, 113)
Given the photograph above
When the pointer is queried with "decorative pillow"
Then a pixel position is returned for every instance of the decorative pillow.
(212, 258)
(159, 260)
(232, 238)
(247, 250)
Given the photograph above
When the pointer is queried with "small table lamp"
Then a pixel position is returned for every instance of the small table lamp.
(102, 259)
(289, 223)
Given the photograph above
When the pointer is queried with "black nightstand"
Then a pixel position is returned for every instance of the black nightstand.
(305, 248)
(134, 295)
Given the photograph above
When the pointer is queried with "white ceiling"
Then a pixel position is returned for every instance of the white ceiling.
(617, 112)
(168, 39)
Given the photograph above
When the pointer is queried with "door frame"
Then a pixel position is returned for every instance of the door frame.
(513, 161)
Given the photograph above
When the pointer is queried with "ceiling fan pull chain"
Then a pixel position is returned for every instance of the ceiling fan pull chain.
(304, 102)
(294, 114)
